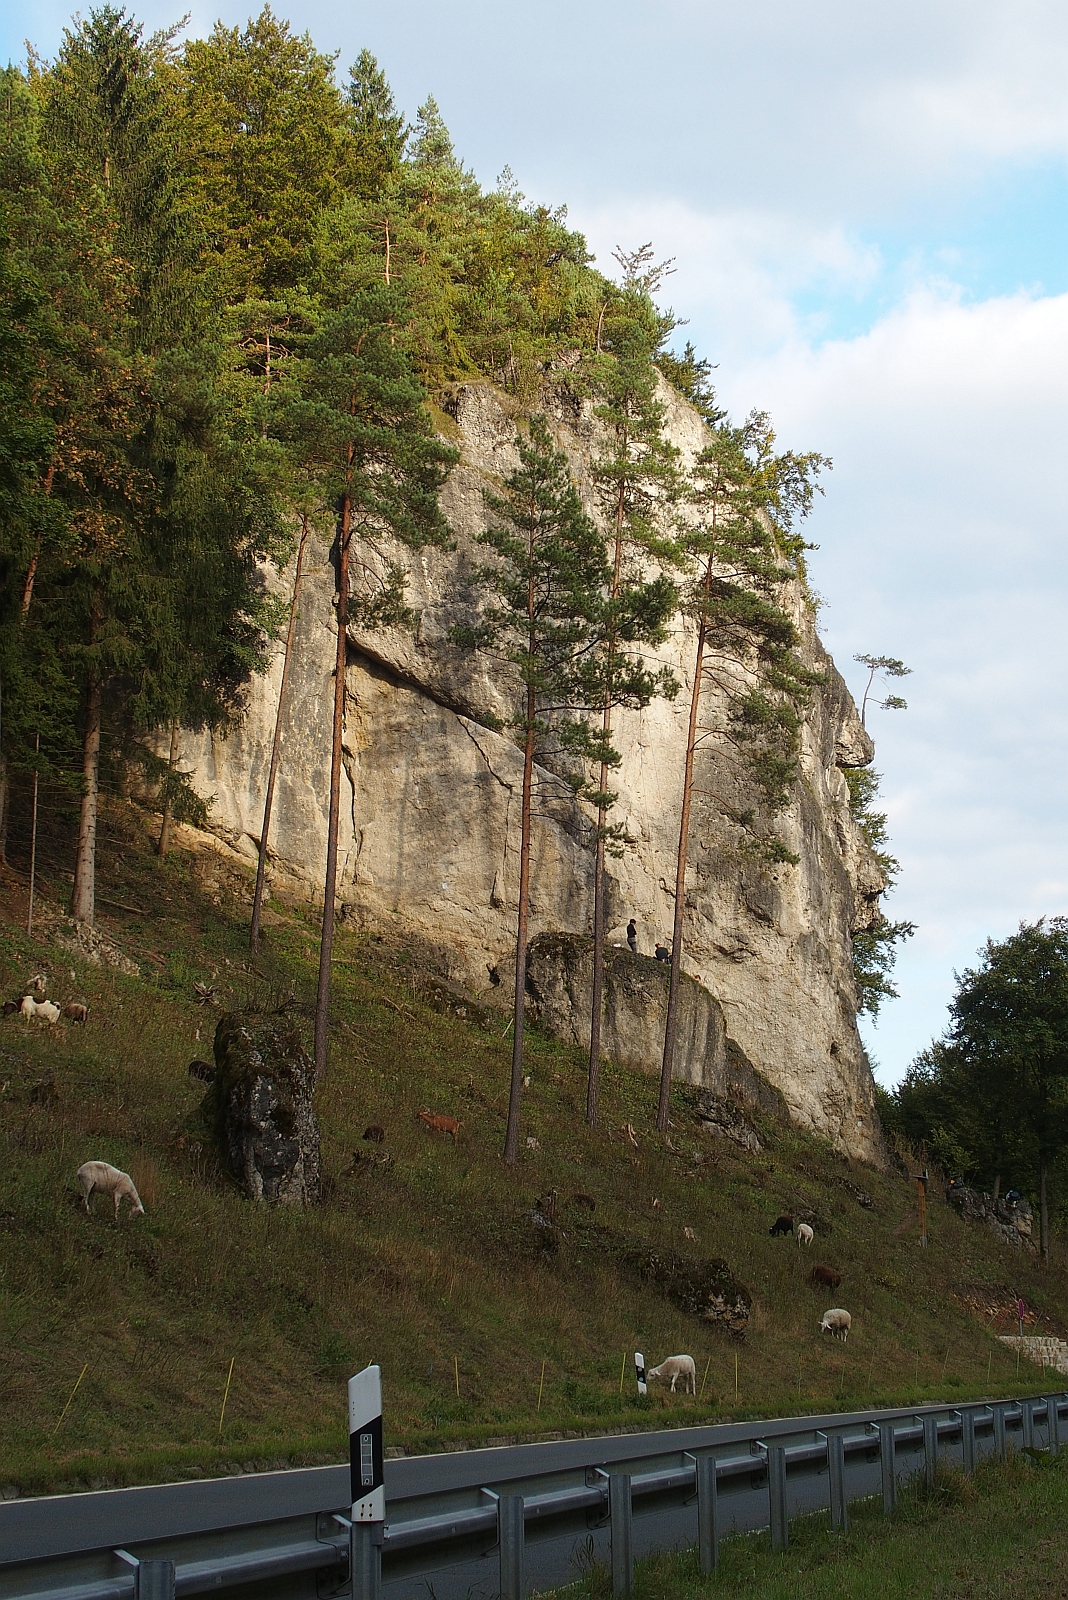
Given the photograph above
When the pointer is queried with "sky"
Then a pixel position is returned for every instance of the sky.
(868, 207)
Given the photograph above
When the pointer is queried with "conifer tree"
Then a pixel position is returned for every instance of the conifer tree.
(547, 614)
(738, 541)
(637, 481)
(379, 130)
(363, 435)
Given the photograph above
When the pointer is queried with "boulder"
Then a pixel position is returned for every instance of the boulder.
(1010, 1216)
(260, 1104)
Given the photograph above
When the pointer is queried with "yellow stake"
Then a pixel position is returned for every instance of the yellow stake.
(623, 1372)
(541, 1385)
(73, 1392)
(456, 1367)
(704, 1380)
(226, 1394)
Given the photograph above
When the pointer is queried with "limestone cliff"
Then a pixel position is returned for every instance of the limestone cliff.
(431, 799)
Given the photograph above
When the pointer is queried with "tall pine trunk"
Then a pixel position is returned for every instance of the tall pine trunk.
(163, 844)
(593, 1078)
(276, 748)
(1043, 1208)
(326, 943)
(83, 905)
(511, 1138)
(671, 1022)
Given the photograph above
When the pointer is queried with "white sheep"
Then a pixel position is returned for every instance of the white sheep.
(45, 1010)
(109, 1180)
(805, 1234)
(676, 1367)
(837, 1323)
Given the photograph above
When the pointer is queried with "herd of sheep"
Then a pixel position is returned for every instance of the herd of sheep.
(102, 1177)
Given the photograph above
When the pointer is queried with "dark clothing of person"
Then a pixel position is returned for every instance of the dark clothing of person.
(663, 953)
(632, 935)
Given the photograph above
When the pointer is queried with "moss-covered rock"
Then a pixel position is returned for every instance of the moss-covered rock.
(260, 1106)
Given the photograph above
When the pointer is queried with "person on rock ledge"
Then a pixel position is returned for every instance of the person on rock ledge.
(632, 936)
(662, 952)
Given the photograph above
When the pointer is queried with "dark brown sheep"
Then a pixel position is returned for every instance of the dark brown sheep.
(782, 1225)
(826, 1277)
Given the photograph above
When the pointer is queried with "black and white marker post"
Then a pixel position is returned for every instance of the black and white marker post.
(639, 1367)
(368, 1483)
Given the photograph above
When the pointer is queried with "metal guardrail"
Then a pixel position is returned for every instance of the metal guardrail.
(495, 1522)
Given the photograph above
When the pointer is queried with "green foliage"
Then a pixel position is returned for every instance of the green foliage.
(737, 541)
(991, 1097)
(874, 947)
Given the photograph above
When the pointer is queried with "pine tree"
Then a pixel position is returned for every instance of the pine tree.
(546, 616)
(637, 481)
(363, 435)
(738, 541)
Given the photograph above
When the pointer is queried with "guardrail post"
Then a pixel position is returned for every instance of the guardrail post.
(888, 1466)
(1027, 1419)
(998, 1408)
(619, 1512)
(780, 1533)
(967, 1440)
(707, 1513)
(511, 1534)
(836, 1474)
(1053, 1423)
(155, 1581)
(930, 1448)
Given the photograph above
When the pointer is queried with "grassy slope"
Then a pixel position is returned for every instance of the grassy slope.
(422, 1265)
(1002, 1533)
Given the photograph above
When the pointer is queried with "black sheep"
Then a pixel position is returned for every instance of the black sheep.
(782, 1224)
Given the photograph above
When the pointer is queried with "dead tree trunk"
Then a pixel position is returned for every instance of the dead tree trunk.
(83, 905)
(163, 843)
(671, 1022)
(326, 943)
(276, 748)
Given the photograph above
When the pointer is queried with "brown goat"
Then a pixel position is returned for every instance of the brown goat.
(441, 1124)
(76, 1011)
(827, 1276)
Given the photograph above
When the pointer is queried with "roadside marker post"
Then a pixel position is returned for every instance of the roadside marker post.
(368, 1478)
(639, 1367)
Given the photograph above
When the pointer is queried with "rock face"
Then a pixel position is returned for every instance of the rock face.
(261, 1105)
(1010, 1217)
(430, 817)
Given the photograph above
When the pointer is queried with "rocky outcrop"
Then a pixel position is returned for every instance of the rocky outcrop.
(260, 1104)
(430, 814)
(1010, 1216)
(560, 990)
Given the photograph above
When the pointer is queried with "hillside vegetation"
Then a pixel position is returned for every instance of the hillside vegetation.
(428, 1263)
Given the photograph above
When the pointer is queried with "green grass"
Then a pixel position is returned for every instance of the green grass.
(428, 1264)
(1000, 1535)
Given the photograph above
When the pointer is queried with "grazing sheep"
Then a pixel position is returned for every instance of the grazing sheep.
(109, 1180)
(781, 1226)
(11, 1006)
(43, 1010)
(827, 1276)
(837, 1323)
(676, 1367)
(441, 1124)
(76, 1011)
(805, 1234)
(375, 1133)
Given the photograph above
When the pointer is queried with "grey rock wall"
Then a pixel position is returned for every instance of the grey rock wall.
(430, 810)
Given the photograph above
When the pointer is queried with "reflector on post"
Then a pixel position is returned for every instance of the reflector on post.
(366, 1458)
(639, 1367)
